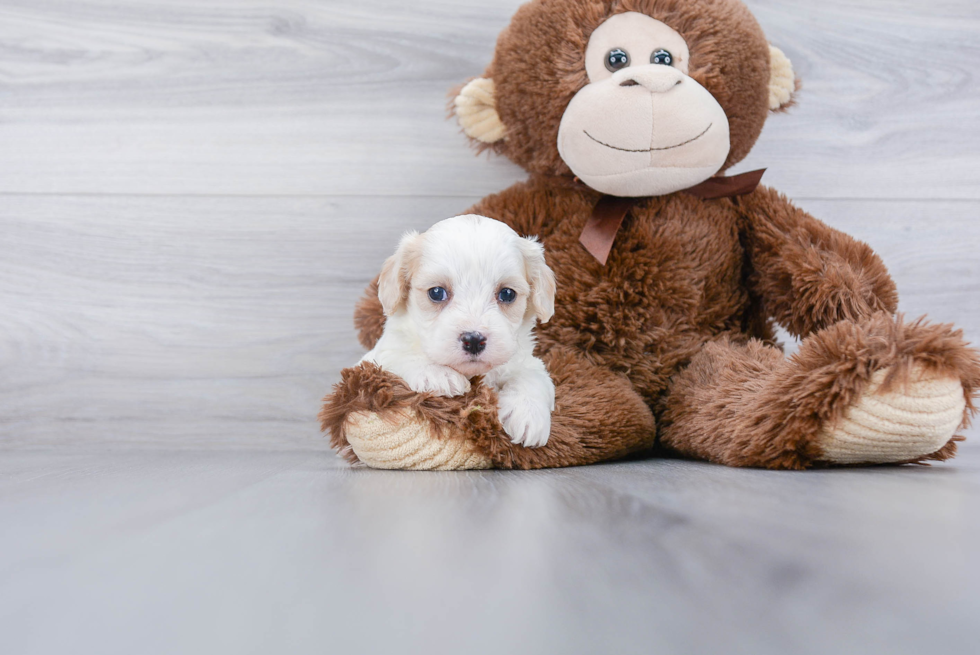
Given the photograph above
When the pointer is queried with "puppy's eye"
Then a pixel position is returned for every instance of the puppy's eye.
(662, 57)
(616, 59)
(507, 295)
(438, 294)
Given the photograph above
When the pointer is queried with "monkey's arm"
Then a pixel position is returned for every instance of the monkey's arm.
(807, 274)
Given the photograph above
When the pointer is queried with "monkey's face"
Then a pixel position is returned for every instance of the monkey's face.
(634, 97)
(641, 126)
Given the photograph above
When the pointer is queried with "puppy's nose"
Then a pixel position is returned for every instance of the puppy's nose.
(473, 342)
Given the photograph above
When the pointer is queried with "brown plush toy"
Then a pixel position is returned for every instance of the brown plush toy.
(670, 276)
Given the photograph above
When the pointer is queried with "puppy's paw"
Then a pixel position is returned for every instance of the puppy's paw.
(526, 420)
(440, 380)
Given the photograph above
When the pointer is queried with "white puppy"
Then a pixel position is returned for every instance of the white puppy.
(461, 300)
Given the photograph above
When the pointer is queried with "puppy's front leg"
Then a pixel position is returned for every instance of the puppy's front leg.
(526, 398)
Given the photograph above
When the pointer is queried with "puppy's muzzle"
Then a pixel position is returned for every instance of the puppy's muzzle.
(473, 342)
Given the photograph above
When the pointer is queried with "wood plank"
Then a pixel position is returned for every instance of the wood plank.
(182, 310)
(222, 321)
(321, 98)
(198, 552)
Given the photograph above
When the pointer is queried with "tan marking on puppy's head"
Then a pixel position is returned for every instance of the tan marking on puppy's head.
(395, 281)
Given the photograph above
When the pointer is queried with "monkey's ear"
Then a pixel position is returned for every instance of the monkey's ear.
(782, 80)
(476, 111)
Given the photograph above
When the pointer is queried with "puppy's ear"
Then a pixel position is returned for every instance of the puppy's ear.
(396, 275)
(541, 279)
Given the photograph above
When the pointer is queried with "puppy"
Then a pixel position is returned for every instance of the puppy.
(461, 300)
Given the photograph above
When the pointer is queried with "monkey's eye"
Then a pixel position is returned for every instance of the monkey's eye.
(506, 295)
(438, 294)
(662, 57)
(616, 59)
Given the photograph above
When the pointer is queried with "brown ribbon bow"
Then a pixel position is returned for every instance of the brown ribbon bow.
(608, 214)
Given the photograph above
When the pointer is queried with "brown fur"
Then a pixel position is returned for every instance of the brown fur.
(576, 438)
(676, 329)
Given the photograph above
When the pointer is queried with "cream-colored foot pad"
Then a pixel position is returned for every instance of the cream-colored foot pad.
(900, 425)
(407, 444)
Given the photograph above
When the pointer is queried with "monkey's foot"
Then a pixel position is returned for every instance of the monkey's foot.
(402, 441)
(902, 422)
(375, 419)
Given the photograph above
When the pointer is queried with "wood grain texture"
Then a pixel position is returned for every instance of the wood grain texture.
(184, 309)
(193, 196)
(323, 98)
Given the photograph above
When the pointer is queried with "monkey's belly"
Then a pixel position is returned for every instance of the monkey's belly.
(646, 340)
(673, 281)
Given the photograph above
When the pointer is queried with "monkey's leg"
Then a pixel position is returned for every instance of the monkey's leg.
(374, 418)
(869, 392)
(598, 416)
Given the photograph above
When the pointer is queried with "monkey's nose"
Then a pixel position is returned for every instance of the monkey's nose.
(655, 78)
(473, 342)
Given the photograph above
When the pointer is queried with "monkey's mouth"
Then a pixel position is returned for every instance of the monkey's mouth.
(650, 149)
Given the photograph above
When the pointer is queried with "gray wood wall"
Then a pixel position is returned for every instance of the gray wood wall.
(193, 194)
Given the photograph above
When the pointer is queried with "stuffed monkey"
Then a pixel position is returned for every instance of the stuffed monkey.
(671, 276)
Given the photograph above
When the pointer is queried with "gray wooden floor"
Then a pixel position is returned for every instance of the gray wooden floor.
(193, 195)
